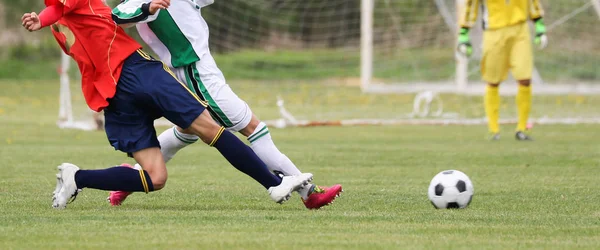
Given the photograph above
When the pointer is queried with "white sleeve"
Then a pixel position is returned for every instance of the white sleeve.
(133, 11)
(204, 3)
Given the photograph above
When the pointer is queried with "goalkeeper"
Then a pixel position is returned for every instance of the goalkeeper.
(506, 45)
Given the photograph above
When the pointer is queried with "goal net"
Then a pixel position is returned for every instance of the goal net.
(313, 62)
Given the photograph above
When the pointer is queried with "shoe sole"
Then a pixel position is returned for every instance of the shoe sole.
(339, 194)
(58, 187)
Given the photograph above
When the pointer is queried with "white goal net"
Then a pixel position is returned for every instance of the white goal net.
(314, 62)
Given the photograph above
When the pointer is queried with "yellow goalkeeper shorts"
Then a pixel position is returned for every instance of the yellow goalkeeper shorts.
(507, 48)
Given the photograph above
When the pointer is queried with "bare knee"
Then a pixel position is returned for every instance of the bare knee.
(525, 82)
(152, 162)
(159, 179)
(248, 130)
(204, 127)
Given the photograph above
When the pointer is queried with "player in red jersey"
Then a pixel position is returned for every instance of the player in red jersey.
(133, 89)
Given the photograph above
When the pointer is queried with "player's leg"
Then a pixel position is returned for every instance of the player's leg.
(313, 196)
(522, 67)
(179, 105)
(174, 139)
(492, 109)
(494, 70)
(129, 127)
(208, 82)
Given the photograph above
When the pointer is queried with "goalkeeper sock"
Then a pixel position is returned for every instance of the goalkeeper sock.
(116, 178)
(492, 108)
(264, 147)
(243, 158)
(523, 106)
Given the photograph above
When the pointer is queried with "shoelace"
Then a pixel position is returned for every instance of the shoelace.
(317, 189)
(74, 196)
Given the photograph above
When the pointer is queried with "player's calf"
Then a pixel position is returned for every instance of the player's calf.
(71, 180)
(234, 150)
(154, 165)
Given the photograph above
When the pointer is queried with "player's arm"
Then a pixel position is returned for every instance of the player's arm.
(467, 20)
(536, 13)
(51, 14)
(131, 12)
(48, 16)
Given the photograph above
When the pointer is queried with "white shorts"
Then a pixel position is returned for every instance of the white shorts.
(206, 80)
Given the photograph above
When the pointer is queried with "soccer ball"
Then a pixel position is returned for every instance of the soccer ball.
(450, 189)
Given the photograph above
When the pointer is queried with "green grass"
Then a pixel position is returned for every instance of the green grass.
(538, 195)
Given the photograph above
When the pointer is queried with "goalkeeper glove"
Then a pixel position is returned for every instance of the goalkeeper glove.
(464, 43)
(541, 40)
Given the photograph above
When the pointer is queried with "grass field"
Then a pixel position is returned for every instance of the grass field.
(537, 195)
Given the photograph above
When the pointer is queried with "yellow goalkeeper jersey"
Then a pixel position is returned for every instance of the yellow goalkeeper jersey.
(500, 13)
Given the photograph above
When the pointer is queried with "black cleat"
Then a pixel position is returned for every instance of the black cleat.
(521, 136)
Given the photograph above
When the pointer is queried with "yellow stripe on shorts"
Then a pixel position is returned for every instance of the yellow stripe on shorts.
(166, 68)
(144, 54)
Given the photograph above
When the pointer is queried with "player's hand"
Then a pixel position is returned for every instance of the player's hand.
(31, 21)
(464, 43)
(541, 40)
(156, 5)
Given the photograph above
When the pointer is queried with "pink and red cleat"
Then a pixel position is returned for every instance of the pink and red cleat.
(322, 196)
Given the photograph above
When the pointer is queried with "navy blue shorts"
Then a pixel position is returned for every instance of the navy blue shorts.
(146, 91)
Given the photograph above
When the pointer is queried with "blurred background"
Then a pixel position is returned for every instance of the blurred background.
(308, 54)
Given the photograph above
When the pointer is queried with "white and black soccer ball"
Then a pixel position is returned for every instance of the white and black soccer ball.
(450, 189)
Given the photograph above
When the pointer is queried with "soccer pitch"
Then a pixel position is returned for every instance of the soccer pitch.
(528, 195)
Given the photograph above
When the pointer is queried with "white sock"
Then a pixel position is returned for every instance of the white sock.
(171, 141)
(265, 149)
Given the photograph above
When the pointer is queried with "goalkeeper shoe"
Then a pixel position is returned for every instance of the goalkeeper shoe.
(67, 192)
(322, 196)
(494, 136)
(521, 136)
(117, 197)
(289, 184)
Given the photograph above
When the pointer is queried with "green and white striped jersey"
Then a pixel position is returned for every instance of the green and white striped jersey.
(179, 34)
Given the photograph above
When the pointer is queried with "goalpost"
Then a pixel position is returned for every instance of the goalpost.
(461, 78)
(66, 119)
(569, 17)
(360, 62)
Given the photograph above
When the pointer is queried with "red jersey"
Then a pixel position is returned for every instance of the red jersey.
(87, 33)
